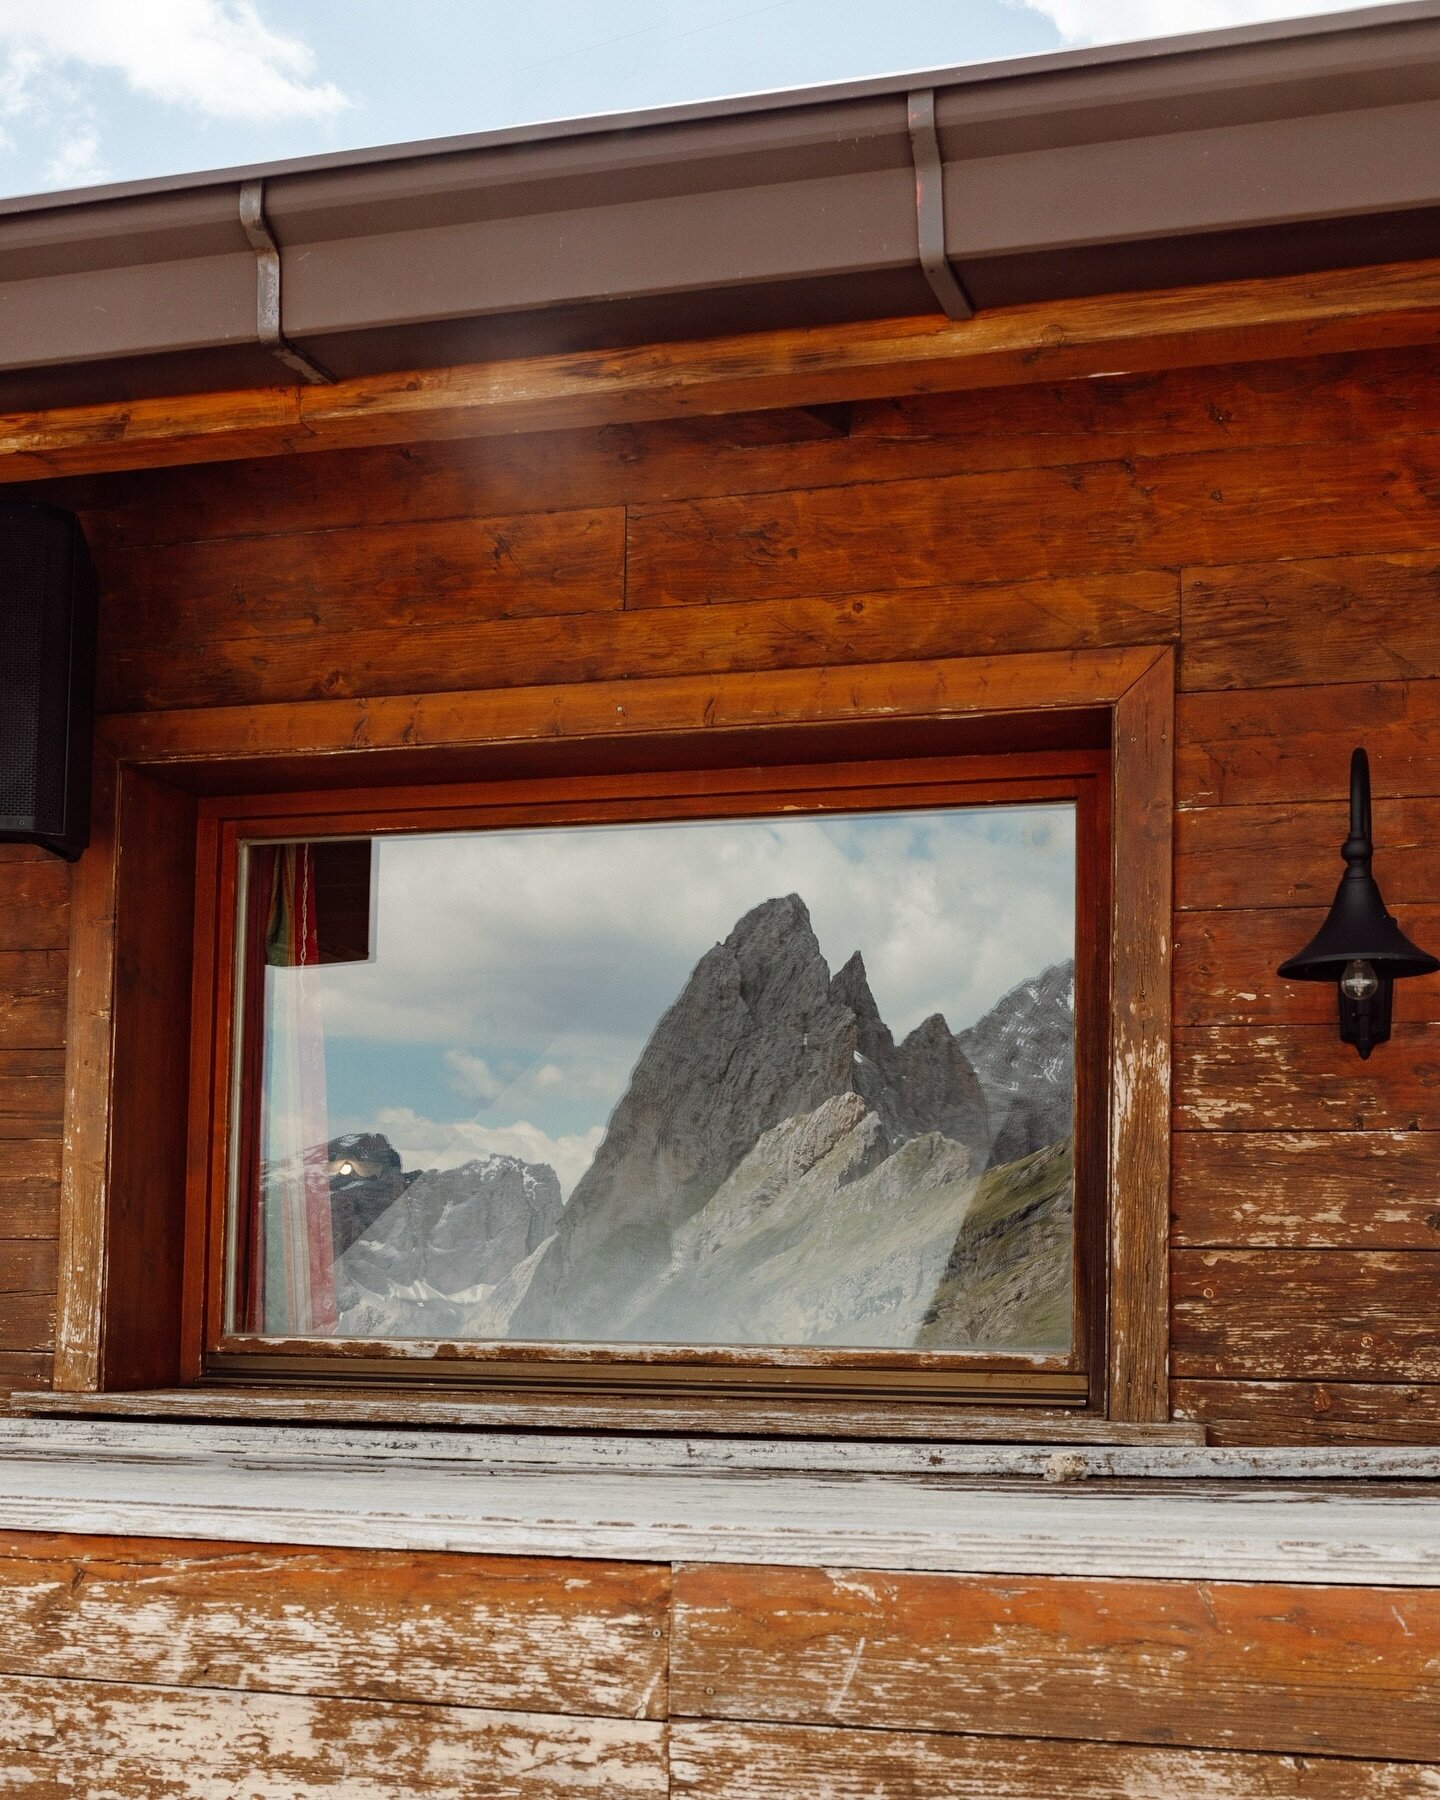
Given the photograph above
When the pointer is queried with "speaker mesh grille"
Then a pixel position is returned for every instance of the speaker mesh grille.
(35, 569)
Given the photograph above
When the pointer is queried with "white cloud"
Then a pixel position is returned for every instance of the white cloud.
(472, 1075)
(216, 57)
(532, 953)
(1123, 21)
(435, 1144)
(76, 162)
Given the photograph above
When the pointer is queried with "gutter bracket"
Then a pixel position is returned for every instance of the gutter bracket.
(946, 285)
(267, 287)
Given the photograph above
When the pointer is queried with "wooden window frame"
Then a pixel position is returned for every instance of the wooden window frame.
(137, 1130)
(226, 1118)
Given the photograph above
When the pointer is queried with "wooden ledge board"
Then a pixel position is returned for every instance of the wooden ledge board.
(314, 1443)
(1386, 306)
(1295, 1533)
(815, 1420)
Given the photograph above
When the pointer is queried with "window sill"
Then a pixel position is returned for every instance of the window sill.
(810, 1419)
(1167, 1511)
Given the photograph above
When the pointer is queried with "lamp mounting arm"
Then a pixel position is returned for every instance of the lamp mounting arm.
(1359, 847)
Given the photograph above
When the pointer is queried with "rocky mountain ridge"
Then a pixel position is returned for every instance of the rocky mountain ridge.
(1023, 1050)
(447, 1254)
(778, 1170)
(760, 1033)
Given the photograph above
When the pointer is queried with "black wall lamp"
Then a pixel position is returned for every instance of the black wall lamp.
(1360, 947)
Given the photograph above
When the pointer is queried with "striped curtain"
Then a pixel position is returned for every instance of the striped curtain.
(292, 1287)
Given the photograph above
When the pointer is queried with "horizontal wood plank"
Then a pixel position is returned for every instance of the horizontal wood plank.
(1016, 526)
(1226, 962)
(23, 1161)
(138, 1743)
(1284, 745)
(27, 1321)
(475, 1631)
(28, 1209)
(27, 1266)
(1364, 1190)
(1288, 854)
(1311, 1412)
(542, 471)
(169, 670)
(1343, 1671)
(1382, 395)
(34, 904)
(1303, 1078)
(1305, 1315)
(1003, 527)
(32, 998)
(394, 578)
(1288, 623)
(759, 1762)
(1382, 307)
(29, 1187)
(25, 1371)
(1307, 400)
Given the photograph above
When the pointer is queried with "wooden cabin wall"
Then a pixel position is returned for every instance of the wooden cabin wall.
(149, 1668)
(34, 940)
(1279, 522)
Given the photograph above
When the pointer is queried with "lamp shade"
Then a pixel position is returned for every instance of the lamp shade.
(1358, 928)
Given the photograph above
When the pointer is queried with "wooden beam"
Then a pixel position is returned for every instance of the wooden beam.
(659, 706)
(1383, 307)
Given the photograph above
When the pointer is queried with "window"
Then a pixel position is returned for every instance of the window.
(755, 1081)
(164, 1188)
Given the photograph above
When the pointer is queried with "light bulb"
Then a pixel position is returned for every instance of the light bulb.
(1359, 981)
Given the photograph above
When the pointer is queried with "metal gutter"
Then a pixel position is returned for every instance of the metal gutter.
(1300, 145)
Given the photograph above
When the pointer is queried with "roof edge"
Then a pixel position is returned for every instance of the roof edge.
(1308, 28)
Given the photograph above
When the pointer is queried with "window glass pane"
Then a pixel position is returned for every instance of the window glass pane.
(802, 1081)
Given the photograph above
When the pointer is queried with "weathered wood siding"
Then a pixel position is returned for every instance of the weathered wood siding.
(34, 938)
(133, 1668)
(1279, 522)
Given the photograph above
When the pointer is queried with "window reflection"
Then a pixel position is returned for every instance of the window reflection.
(804, 1081)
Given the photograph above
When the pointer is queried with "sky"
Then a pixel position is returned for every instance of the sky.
(117, 90)
(518, 975)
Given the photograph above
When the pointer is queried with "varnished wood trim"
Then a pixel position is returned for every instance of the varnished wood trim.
(650, 1370)
(385, 729)
(1299, 315)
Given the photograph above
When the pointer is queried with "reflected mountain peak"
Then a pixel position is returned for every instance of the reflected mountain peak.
(777, 1170)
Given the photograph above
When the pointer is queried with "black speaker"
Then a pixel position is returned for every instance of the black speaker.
(47, 677)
